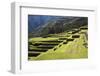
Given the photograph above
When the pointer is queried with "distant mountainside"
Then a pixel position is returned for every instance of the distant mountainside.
(44, 25)
(35, 21)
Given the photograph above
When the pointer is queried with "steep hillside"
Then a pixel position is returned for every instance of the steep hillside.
(40, 26)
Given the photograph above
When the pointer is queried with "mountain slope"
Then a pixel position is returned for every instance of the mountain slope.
(58, 24)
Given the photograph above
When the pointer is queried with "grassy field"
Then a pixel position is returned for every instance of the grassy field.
(66, 45)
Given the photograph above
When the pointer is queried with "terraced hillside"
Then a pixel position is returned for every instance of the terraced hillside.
(66, 45)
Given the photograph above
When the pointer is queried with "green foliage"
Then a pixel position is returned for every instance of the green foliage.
(60, 47)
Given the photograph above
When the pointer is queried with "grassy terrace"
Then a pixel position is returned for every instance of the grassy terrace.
(66, 45)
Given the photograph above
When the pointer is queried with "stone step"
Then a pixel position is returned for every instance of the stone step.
(47, 47)
(71, 39)
(38, 50)
(33, 54)
(75, 36)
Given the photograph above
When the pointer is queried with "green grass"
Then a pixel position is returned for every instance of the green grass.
(71, 50)
(36, 39)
